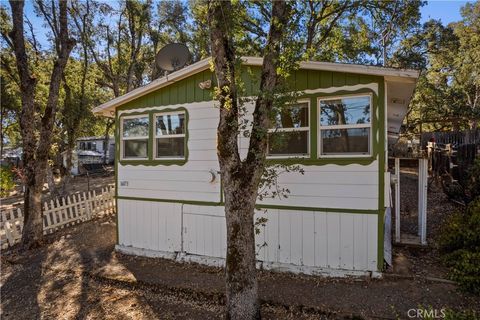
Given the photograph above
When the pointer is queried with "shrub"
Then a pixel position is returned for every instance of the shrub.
(7, 182)
(460, 244)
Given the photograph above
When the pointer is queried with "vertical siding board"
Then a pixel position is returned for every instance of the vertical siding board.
(338, 79)
(284, 237)
(321, 239)
(182, 91)
(333, 253)
(296, 237)
(346, 240)
(372, 246)
(260, 238)
(308, 241)
(351, 79)
(365, 79)
(313, 79)
(190, 89)
(301, 79)
(156, 98)
(198, 92)
(174, 93)
(120, 221)
(165, 97)
(360, 259)
(188, 232)
(325, 79)
(271, 236)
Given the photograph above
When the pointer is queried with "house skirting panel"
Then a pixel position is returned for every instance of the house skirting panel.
(312, 242)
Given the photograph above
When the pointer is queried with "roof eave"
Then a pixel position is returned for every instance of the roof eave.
(400, 75)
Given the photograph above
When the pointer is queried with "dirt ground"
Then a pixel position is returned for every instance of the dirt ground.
(416, 260)
(78, 275)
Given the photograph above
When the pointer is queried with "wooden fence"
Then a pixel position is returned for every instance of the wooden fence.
(59, 213)
(455, 138)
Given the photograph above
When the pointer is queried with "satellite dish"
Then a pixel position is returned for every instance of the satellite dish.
(172, 57)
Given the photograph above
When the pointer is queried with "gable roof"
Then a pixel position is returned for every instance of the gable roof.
(397, 75)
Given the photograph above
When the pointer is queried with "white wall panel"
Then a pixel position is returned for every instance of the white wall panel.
(150, 225)
(305, 238)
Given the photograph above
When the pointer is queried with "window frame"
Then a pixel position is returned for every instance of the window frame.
(122, 138)
(320, 127)
(181, 135)
(307, 128)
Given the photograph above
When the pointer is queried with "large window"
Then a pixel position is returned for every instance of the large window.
(289, 132)
(345, 125)
(170, 135)
(135, 137)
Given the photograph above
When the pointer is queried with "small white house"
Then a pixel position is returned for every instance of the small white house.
(169, 194)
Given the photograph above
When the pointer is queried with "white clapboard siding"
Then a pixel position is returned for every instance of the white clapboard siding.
(150, 225)
(59, 213)
(191, 181)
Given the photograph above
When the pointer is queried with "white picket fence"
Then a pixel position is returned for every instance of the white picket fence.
(58, 214)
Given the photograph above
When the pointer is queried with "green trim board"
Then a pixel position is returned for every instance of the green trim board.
(381, 178)
(314, 158)
(152, 161)
(117, 152)
(258, 206)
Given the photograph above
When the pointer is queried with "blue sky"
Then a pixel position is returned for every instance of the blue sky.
(445, 10)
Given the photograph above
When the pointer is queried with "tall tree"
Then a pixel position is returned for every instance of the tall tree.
(241, 178)
(36, 144)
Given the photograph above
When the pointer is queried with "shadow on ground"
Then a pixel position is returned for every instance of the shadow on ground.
(78, 275)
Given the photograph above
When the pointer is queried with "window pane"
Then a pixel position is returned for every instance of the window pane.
(136, 127)
(346, 110)
(135, 148)
(294, 116)
(171, 147)
(288, 143)
(345, 141)
(170, 124)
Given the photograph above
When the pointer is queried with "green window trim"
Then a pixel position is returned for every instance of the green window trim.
(151, 160)
(351, 126)
(315, 159)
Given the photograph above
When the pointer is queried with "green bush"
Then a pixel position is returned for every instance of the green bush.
(460, 244)
(7, 182)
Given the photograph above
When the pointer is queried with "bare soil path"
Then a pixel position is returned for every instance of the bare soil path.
(78, 275)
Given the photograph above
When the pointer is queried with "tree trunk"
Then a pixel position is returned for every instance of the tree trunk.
(35, 152)
(241, 279)
(240, 179)
(32, 213)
